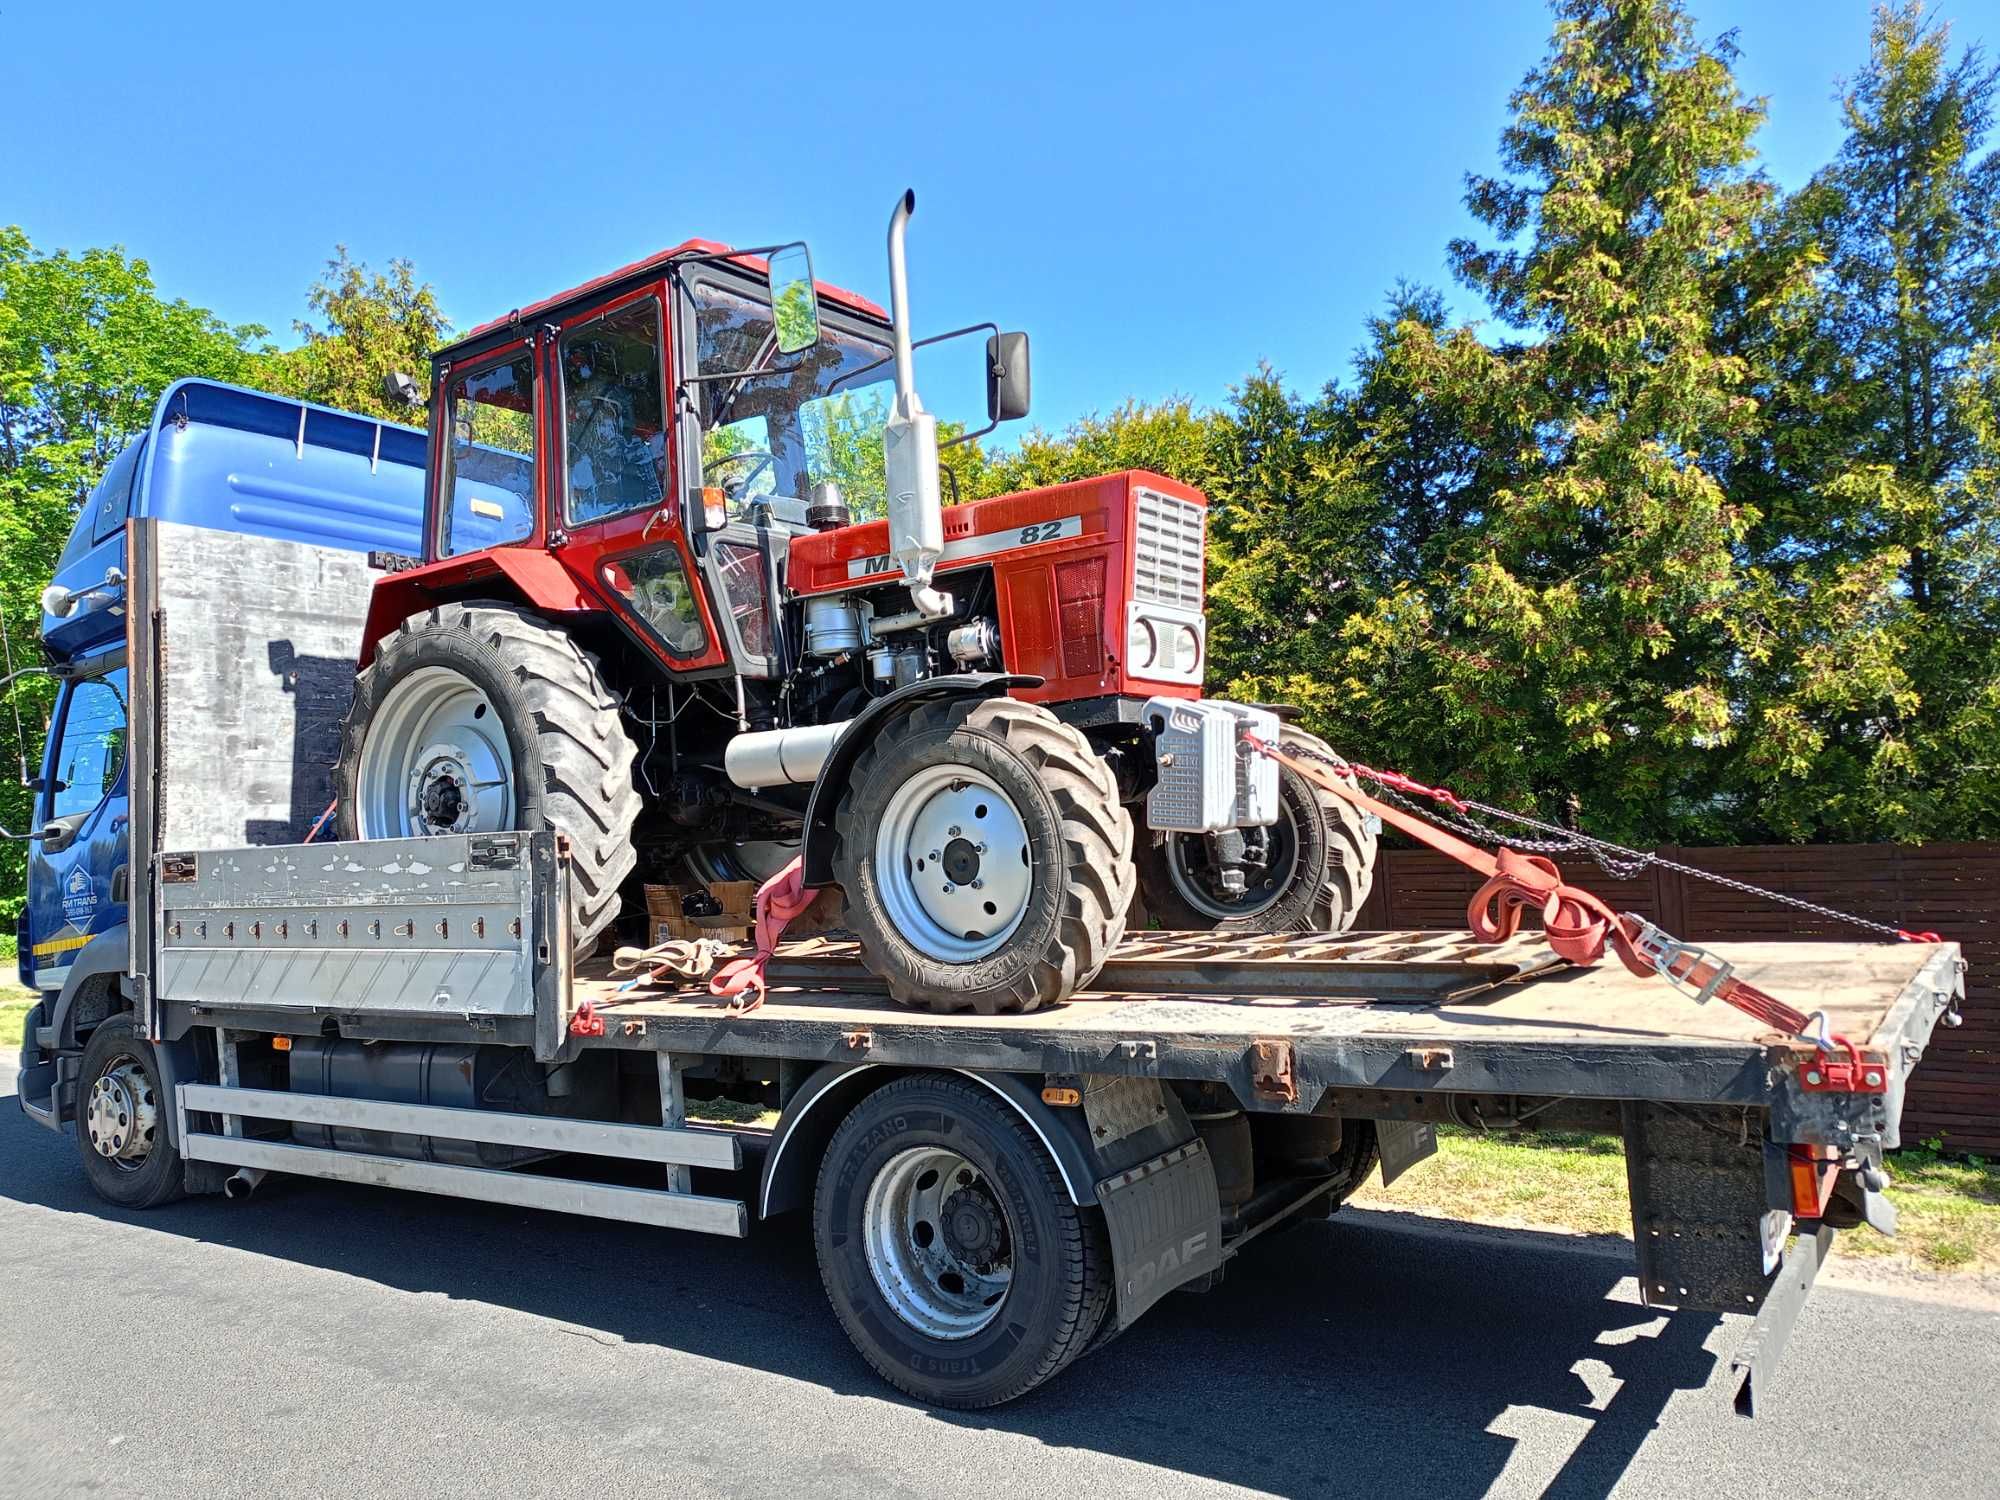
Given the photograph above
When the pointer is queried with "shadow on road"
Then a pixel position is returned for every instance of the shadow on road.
(1360, 1356)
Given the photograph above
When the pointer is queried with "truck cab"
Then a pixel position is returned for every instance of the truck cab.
(231, 462)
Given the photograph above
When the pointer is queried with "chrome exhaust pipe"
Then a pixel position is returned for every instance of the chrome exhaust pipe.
(242, 1183)
(910, 445)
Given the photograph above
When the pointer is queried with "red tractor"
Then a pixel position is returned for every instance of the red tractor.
(647, 617)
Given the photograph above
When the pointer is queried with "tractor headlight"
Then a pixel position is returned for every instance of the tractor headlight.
(1164, 643)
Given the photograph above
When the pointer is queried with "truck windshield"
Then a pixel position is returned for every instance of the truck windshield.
(785, 427)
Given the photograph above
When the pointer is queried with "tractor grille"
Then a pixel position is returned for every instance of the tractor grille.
(1166, 561)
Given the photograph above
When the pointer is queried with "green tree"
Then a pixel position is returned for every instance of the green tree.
(1568, 640)
(86, 346)
(374, 324)
(1867, 631)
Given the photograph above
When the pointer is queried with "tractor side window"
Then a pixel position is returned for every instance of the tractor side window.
(742, 567)
(656, 586)
(615, 419)
(490, 474)
(92, 750)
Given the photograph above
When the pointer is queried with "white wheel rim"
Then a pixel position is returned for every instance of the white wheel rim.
(951, 863)
(938, 1242)
(436, 760)
(122, 1115)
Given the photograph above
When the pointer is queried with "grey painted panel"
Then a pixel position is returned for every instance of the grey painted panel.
(723, 1216)
(438, 926)
(691, 1148)
(257, 644)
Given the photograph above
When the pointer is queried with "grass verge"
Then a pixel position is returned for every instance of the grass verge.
(14, 1002)
(1949, 1211)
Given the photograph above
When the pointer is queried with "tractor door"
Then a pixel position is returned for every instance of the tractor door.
(616, 521)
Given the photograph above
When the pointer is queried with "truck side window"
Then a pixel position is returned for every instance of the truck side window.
(92, 750)
(615, 420)
(490, 458)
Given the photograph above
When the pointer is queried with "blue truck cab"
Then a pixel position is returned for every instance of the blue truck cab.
(231, 461)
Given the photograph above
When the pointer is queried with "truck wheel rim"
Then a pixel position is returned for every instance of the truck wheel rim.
(938, 1242)
(1197, 883)
(951, 863)
(122, 1114)
(436, 760)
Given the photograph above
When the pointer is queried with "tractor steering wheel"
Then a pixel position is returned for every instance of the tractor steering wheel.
(764, 462)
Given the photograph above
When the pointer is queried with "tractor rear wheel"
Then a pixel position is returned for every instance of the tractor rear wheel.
(984, 857)
(1319, 865)
(482, 718)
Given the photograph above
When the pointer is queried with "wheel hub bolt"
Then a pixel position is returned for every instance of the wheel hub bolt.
(949, 887)
(952, 832)
(979, 885)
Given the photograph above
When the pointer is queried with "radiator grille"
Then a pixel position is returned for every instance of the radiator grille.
(1167, 550)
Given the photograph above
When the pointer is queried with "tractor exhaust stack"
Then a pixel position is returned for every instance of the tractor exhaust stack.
(910, 446)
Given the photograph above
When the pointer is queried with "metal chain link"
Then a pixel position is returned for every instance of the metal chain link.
(1614, 860)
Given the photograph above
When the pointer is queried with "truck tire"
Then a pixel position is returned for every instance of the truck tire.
(121, 1119)
(1324, 867)
(481, 718)
(984, 857)
(949, 1246)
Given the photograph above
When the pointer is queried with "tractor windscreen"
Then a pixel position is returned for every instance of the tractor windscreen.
(785, 426)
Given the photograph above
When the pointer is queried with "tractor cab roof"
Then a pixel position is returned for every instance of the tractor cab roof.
(639, 271)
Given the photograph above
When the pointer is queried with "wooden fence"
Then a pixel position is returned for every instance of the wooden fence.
(1951, 889)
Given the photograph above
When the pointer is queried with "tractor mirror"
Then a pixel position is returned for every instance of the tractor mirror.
(1007, 377)
(794, 304)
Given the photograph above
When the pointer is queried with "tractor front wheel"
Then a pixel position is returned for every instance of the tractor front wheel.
(481, 718)
(984, 857)
(1311, 869)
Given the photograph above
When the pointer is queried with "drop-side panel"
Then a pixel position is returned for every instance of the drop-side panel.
(456, 925)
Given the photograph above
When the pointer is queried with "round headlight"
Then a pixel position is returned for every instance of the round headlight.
(1142, 643)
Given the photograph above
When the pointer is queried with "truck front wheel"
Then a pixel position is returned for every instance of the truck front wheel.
(984, 857)
(121, 1125)
(481, 718)
(950, 1248)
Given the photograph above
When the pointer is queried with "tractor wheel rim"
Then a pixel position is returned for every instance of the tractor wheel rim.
(938, 1242)
(436, 760)
(122, 1114)
(952, 863)
(1197, 883)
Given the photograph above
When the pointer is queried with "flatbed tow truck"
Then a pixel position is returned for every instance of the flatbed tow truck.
(990, 1197)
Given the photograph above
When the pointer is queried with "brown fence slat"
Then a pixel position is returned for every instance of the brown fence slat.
(1953, 889)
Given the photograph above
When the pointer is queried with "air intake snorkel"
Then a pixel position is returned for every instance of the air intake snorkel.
(910, 446)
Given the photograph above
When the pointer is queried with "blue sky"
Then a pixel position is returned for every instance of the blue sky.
(1162, 195)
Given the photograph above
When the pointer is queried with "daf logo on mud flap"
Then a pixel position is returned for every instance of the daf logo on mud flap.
(1166, 1265)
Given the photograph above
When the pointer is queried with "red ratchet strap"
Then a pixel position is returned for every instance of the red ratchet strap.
(779, 899)
(1578, 926)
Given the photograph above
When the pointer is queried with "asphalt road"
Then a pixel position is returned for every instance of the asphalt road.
(326, 1340)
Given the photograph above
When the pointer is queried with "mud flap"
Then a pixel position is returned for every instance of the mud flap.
(1165, 1221)
(1403, 1143)
(1156, 1185)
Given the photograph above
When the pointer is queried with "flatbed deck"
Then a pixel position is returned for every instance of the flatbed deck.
(1393, 1011)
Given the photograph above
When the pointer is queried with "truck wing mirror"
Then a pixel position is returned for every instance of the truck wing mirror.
(1007, 383)
(794, 301)
(401, 389)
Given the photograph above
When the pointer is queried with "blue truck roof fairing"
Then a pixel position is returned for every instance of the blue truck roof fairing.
(237, 460)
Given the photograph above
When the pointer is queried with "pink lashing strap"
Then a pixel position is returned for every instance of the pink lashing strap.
(779, 899)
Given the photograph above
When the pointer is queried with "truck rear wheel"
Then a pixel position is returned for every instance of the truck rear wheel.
(950, 1248)
(121, 1126)
(1318, 868)
(984, 856)
(481, 718)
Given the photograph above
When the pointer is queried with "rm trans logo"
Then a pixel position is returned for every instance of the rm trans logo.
(79, 897)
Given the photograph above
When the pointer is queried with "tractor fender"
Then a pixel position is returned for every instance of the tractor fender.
(860, 733)
(526, 576)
